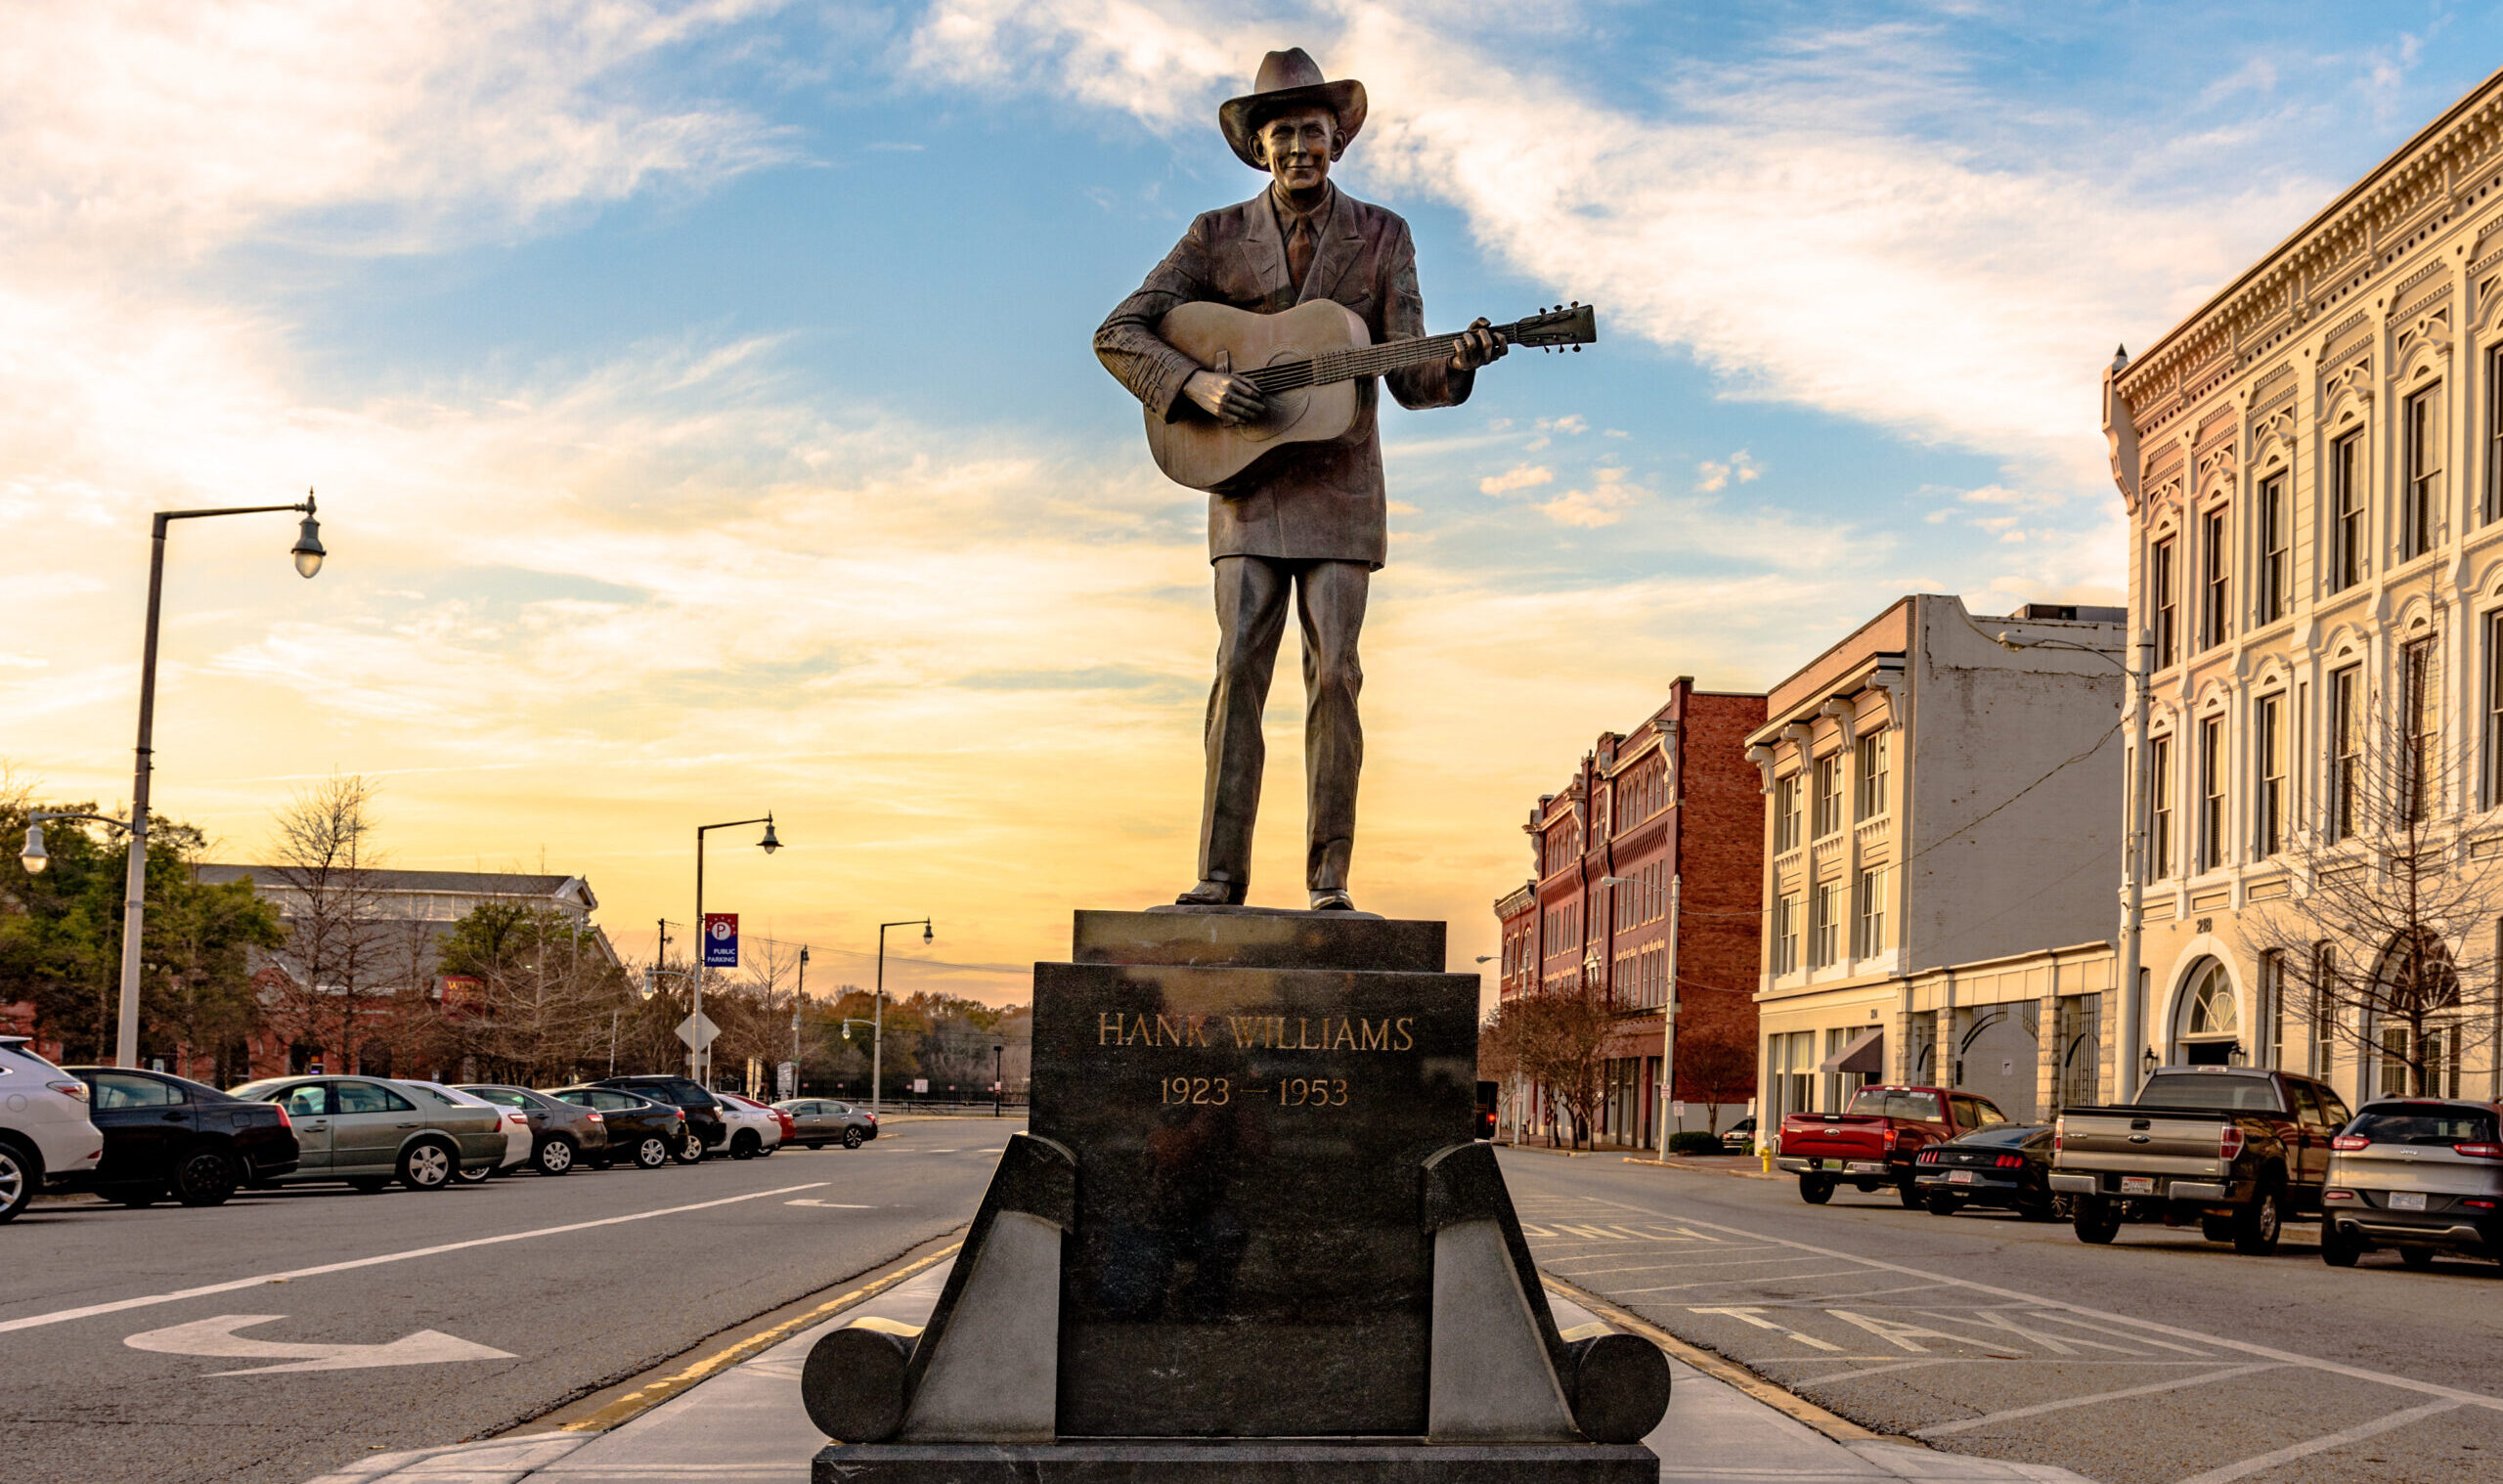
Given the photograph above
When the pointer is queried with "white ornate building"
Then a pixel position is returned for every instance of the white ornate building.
(2313, 466)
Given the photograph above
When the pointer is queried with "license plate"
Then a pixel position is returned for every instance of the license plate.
(2137, 1185)
(1959, 1177)
(2408, 1201)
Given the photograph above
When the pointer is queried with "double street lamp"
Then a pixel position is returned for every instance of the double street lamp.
(878, 1032)
(700, 1057)
(308, 554)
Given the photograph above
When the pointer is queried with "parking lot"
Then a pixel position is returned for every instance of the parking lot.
(288, 1333)
(2163, 1359)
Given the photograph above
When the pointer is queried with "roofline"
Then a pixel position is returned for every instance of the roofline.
(2320, 218)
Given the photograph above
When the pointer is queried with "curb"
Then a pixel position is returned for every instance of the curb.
(1789, 1404)
(1692, 1167)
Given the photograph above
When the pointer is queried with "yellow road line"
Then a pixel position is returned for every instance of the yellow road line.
(643, 1398)
(1840, 1430)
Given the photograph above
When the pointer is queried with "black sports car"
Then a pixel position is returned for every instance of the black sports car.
(170, 1136)
(1998, 1164)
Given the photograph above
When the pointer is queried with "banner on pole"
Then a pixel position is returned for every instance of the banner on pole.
(721, 940)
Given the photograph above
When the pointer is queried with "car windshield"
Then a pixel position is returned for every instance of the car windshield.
(258, 1092)
(2209, 1090)
(1895, 1102)
(2424, 1123)
(2006, 1135)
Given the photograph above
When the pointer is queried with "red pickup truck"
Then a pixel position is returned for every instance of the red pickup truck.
(1876, 1140)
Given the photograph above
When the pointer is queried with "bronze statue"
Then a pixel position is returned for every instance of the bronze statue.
(1306, 520)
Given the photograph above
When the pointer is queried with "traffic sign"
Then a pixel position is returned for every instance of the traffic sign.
(697, 1031)
(721, 940)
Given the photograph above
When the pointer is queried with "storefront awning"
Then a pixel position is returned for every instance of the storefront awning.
(1865, 1055)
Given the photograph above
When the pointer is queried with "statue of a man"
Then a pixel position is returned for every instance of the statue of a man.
(1307, 520)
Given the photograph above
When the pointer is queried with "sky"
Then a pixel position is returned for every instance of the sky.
(701, 409)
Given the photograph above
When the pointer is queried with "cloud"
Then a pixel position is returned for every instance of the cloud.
(1712, 477)
(1521, 476)
(1603, 503)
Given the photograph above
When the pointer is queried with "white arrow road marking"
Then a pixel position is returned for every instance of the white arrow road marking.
(1755, 1315)
(217, 1337)
(831, 1205)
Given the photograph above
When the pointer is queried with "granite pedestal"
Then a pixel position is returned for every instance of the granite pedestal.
(1248, 1235)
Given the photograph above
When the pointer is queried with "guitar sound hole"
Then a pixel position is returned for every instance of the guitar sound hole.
(1286, 409)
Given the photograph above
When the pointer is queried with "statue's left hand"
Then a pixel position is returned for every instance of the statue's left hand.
(1477, 345)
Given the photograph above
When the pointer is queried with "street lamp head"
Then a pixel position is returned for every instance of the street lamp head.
(927, 937)
(34, 858)
(769, 843)
(804, 953)
(307, 552)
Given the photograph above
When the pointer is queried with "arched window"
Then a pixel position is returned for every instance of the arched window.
(2208, 1027)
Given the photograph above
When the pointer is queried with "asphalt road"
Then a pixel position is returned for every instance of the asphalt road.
(2160, 1359)
(656, 1262)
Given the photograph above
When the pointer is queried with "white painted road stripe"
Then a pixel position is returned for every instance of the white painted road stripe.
(118, 1306)
(2452, 1394)
(2151, 1388)
(2307, 1449)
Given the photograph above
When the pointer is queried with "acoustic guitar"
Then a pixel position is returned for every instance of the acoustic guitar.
(1305, 362)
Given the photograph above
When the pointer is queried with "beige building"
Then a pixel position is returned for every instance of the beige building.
(2313, 466)
(1940, 839)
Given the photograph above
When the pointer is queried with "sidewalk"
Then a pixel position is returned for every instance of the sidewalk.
(746, 1426)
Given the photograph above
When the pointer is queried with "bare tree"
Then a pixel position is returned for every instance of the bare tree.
(539, 996)
(2389, 943)
(1560, 1036)
(1718, 1061)
(336, 957)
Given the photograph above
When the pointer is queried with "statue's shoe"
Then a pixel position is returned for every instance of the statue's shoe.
(1333, 902)
(1213, 893)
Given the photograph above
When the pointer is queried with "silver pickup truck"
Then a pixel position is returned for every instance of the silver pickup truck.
(2236, 1148)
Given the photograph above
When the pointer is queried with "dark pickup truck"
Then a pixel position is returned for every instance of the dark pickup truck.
(2236, 1148)
(1875, 1141)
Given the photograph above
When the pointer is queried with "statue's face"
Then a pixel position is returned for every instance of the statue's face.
(1297, 145)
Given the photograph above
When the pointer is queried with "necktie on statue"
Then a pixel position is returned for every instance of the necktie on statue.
(1299, 251)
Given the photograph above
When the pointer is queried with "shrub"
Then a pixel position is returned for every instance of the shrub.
(1693, 1141)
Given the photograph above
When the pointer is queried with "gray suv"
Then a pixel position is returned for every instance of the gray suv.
(2420, 1175)
(369, 1132)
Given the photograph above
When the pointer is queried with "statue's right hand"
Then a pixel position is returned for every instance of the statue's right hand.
(1225, 396)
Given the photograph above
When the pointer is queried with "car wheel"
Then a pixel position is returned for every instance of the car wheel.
(853, 1138)
(2417, 1259)
(651, 1152)
(690, 1149)
(206, 1178)
(427, 1166)
(744, 1145)
(2256, 1230)
(366, 1185)
(2095, 1221)
(19, 1174)
(474, 1176)
(2338, 1248)
(556, 1156)
(1941, 1204)
(1908, 1194)
(1816, 1189)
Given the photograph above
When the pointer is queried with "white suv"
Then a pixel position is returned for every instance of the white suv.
(44, 1132)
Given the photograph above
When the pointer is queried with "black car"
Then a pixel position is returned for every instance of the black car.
(168, 1135)
(642, 1131)
(1998, 1164)
(707, 1127)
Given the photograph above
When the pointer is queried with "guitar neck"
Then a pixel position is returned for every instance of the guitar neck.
(1356, 361)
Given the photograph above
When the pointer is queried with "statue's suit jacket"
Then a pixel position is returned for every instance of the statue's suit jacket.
(1307, 499)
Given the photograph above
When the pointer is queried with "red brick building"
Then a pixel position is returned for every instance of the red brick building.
(1664, 821)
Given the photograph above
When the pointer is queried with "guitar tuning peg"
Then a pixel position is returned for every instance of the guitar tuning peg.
(1577, 350)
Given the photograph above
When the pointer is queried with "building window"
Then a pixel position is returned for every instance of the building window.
(2422, 446)
(2324, 1009)
(2493, 505)
(2272, 1005)
(2276, 550)
(2346, 503)
(2417, 784)
(1868, 917)
(2212, 793)
(1785, 935)
(2269, 803)
(1786, 814)
(2215, 617)
(1828, 801)
(1824, 926)
(2492, 750)
(2167, 611)
(1868, 765)
(2160, 799)
(2345, 749)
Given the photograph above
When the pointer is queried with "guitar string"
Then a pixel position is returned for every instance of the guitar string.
(1347, 365)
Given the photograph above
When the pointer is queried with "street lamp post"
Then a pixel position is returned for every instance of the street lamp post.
(799, 998)
(699, 1059)
(1669, 1020)
(308, 554)
(999, 1076)
(2125, 1062)
(878, 1035)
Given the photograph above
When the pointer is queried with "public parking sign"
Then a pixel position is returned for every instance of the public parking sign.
(721, 940)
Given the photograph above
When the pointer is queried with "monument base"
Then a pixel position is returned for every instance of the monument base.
(1158, 1460)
